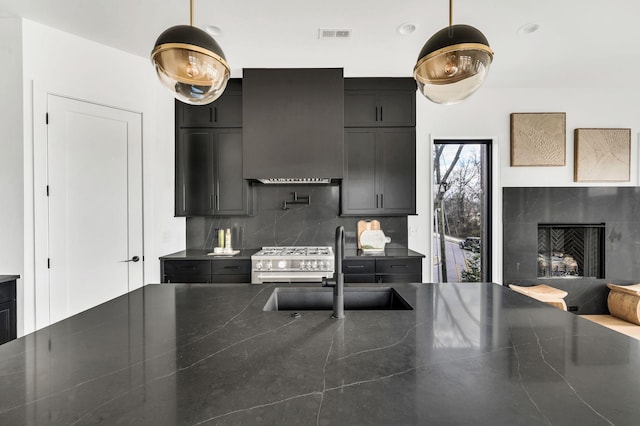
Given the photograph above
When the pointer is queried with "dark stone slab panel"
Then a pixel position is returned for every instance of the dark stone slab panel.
(300, 225)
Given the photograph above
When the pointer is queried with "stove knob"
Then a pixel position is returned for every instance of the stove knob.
(282, 264)
(269, 265)
(259, 264)
(321, 265)
(314, 265)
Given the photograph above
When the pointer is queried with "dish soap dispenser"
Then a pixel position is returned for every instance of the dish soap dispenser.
(227, 241)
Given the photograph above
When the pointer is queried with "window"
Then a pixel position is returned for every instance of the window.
(462, 210)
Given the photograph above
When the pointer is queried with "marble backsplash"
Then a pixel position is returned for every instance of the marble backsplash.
(617, 207)
(299, 225)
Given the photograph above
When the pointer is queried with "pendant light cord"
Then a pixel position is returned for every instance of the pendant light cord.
(450, 18)
(191, 14)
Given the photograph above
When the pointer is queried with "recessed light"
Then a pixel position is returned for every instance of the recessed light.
(406, 29)
(528, 28)
(214, 30)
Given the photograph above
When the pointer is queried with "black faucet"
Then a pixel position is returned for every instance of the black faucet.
(337, 282)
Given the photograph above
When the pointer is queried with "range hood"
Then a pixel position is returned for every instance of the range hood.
(293, 125)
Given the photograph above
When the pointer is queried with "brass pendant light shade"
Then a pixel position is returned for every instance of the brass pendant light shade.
(191, 64)
(453, 63)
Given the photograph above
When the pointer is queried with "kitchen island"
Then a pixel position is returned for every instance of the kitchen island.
(175, 354)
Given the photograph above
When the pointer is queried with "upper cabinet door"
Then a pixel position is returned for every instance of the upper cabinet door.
(397, 109)
(359, 189)
(397, 171)
(231, 190)
(379, 172)
(194, 184)
(360, 109)
(226, 111)
(380, 102)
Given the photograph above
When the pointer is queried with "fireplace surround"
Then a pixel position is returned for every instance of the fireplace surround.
(615, 210)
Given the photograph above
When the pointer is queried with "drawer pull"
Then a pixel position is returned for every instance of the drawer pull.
(355, 266)
(399, 266)
(232, 267)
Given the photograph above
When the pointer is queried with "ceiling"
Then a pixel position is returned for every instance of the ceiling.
(284, 33)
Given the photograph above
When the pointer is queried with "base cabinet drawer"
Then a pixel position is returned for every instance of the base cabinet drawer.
(399, 266)
(231, 267)
(359, 266)
(206, 271)
(382, 271)
(187, 267)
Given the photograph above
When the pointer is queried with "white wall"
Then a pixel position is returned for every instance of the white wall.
(61, 63)
(486, 115)
(11, 151)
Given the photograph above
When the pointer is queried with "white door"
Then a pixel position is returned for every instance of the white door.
(94, 163)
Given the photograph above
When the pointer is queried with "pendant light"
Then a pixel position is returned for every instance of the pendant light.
(453, 63)
(190, 63)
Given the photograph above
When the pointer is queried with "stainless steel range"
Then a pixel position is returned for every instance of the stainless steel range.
(291, 264)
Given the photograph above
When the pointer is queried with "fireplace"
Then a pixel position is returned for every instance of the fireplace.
(571, 250)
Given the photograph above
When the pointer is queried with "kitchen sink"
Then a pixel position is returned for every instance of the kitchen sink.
(321, 299)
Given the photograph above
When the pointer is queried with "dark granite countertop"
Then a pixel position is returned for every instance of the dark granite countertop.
(5, 278)
(198, 254)
(468, 354)
(393, 252)
(350, 253)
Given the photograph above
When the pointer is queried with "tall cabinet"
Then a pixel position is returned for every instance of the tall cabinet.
(208, 179)
(8, 315)
(379, 164)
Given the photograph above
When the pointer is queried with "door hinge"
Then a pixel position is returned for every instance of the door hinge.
(48, 263)
(46, 118)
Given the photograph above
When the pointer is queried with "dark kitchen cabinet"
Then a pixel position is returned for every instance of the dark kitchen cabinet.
(380, 102)
(208, 177)
(8, 314)
(226, 111)
(389, 270)
(206, 271)
(379, 174)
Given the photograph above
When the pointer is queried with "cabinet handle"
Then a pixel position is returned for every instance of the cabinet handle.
(382, 201)
(184, 196)
(210, 201)
(354, 266)
(217, 194)
(399, 266)
(381, 114)
(215, 114)
(377, 200)
(232, 267)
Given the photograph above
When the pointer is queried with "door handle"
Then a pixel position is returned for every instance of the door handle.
(133, 259)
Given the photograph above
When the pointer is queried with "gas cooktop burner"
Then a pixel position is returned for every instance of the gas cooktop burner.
(295, 251)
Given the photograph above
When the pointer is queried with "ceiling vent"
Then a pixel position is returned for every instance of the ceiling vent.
(333, 33)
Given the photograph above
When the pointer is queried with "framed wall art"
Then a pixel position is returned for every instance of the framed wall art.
(602, 155)
(538, 139)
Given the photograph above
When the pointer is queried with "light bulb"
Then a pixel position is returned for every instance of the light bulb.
(450, 67)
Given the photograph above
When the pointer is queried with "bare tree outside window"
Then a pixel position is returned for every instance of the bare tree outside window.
(459, 203)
